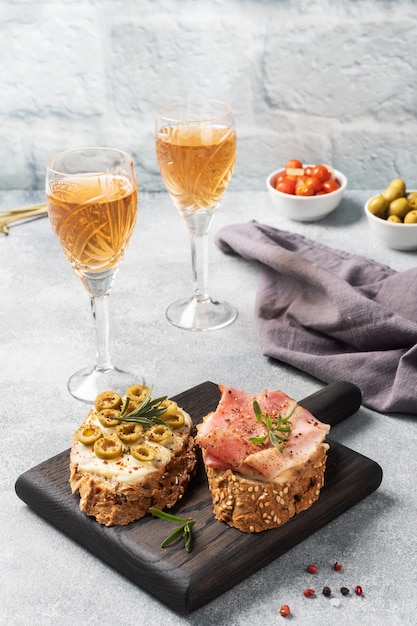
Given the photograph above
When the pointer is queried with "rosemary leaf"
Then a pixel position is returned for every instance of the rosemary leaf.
(185, 528)
(147, 412)
(277, 430)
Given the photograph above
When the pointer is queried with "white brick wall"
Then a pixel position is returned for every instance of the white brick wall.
(321, 80)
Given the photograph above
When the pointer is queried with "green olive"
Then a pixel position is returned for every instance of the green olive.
(108, 417)
(159, 433)
(129, 432)
(170, 406)
(399, 208)
(131, 406)
(411, 217)
(174, 421)
(136, 391)
(396, 189)
(412, 199)
(395, 219)
(89, 434)
(378, 206)
(142, 452)
(108, 447)
(107, 400)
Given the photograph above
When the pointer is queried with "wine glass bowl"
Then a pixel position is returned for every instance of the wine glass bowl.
(196, 152)
(92, 199)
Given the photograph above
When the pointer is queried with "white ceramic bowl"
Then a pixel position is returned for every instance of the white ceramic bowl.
(305, 208)
(396, 236)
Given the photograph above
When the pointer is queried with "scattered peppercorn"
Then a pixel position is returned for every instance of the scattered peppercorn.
(285, 610)
(309, 593)
(312, 569)
(326, 591)
(337, 567)
(344, 591)
(358, 590)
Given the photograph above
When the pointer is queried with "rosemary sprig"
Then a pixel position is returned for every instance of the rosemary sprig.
(277, 429)
(146, 412)
(184, 529)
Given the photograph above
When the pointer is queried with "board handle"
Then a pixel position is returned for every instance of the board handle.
(334, 403)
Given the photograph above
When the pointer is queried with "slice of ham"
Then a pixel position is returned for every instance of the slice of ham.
(226, 434)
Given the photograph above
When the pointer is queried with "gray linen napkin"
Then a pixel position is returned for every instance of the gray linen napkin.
(335, 315)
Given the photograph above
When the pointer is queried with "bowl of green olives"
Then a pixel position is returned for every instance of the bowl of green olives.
(392, 216)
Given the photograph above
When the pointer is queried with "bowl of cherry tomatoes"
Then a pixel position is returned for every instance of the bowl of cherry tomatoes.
(306, 193)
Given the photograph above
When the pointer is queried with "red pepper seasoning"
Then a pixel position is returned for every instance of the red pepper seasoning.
(285, 610)
(309, 593)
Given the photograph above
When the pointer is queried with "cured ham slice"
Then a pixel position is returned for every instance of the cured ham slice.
(256, 485)
(226, 435)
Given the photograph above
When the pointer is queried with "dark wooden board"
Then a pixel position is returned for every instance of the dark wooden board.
(221, 556)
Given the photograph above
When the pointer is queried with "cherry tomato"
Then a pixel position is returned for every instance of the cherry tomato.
(286, 185)
(321, 172)
(304, 187)
(308, 171)
(329, 185)
(313, 181)
(293, 164)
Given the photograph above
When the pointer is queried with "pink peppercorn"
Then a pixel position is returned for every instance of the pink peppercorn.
(358, 590)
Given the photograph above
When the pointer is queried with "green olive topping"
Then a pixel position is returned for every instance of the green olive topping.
(170, 407)
(107, 400)
(136, 391)
(89, 434)
(159, 433)
(175, 421)
(129, 432)
(142, 452)
(108, 447)
(108, 417)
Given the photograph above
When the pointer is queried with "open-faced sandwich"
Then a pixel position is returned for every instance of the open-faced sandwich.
(264, 456)
(130, 454)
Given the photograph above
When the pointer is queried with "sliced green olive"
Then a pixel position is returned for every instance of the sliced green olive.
(174, 421)
(89, 434)
(142, 452)
(108, 417)
(129, 432)
(159, 433)
(108, 447)
(136, 391)
(133, 404)
(170, 406)
(107, 400)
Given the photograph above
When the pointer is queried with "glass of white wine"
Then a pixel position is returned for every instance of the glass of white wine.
(92, 199)
(196, 152)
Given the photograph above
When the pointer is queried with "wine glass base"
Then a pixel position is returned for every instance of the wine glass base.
(201, 315)
(87, 383)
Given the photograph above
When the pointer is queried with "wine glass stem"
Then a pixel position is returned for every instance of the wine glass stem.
(100, 311)
(199, 263)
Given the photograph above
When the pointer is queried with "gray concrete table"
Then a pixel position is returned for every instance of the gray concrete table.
(46, 333)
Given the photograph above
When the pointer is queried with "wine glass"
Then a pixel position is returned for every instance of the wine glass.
(92, 199)
(196, 151)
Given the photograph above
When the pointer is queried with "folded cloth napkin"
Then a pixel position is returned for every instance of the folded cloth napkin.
(335, 315)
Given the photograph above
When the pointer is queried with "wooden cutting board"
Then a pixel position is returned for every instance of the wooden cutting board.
(221, 556)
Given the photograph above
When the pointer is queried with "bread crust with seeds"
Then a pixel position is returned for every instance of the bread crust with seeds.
(254, 505)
